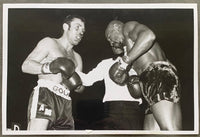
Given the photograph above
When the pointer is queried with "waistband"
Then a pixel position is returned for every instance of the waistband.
(167, 63)
(58, 89)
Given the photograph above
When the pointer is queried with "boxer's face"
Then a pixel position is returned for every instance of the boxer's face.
(116, 42)
(76, 31)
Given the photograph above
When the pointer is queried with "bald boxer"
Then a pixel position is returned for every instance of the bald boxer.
(55, 62)
(158, 78)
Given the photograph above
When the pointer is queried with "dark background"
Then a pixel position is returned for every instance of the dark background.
(173, 28)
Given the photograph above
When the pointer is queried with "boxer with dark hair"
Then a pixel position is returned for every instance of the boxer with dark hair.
(156, 75)
(55, 62)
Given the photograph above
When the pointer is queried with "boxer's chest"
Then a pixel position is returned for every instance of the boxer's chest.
(60, 52)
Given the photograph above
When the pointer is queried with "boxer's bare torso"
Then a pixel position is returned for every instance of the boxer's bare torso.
(137, 34)
(47, 50)
(154, 54)
(57, 50)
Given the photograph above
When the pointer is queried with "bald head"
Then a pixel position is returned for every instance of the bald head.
(114, 26)
(114, 34)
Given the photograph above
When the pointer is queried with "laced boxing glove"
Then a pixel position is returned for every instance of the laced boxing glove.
(118, 72)
(134, 86)
(60, 65)
(72, 83)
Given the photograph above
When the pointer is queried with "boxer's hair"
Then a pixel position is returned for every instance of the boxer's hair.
(69, 18)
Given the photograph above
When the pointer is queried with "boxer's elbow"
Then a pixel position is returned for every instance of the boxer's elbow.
(25, 67)
(150, 35)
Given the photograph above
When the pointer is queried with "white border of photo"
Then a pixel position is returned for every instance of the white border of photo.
(6, 7)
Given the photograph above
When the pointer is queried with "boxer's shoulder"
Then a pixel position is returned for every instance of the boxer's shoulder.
(47, 41)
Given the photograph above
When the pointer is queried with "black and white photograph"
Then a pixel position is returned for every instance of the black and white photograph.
(81, 69)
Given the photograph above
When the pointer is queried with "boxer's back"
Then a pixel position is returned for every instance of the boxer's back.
(152, 55)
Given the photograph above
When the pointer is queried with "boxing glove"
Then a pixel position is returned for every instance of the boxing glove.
(60, 65)
(134, 86)
(72, 83)
(118, 72)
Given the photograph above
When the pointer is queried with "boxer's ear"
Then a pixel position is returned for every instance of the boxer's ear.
(65, 26)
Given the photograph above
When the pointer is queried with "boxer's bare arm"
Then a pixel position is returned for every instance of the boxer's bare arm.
(32, 63)
(80, 68)
(142, 38)
(79, 61)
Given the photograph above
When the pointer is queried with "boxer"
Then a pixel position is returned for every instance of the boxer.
(158, 79)
(55, 61)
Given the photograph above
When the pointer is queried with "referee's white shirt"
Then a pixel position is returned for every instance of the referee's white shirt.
(113, 92)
